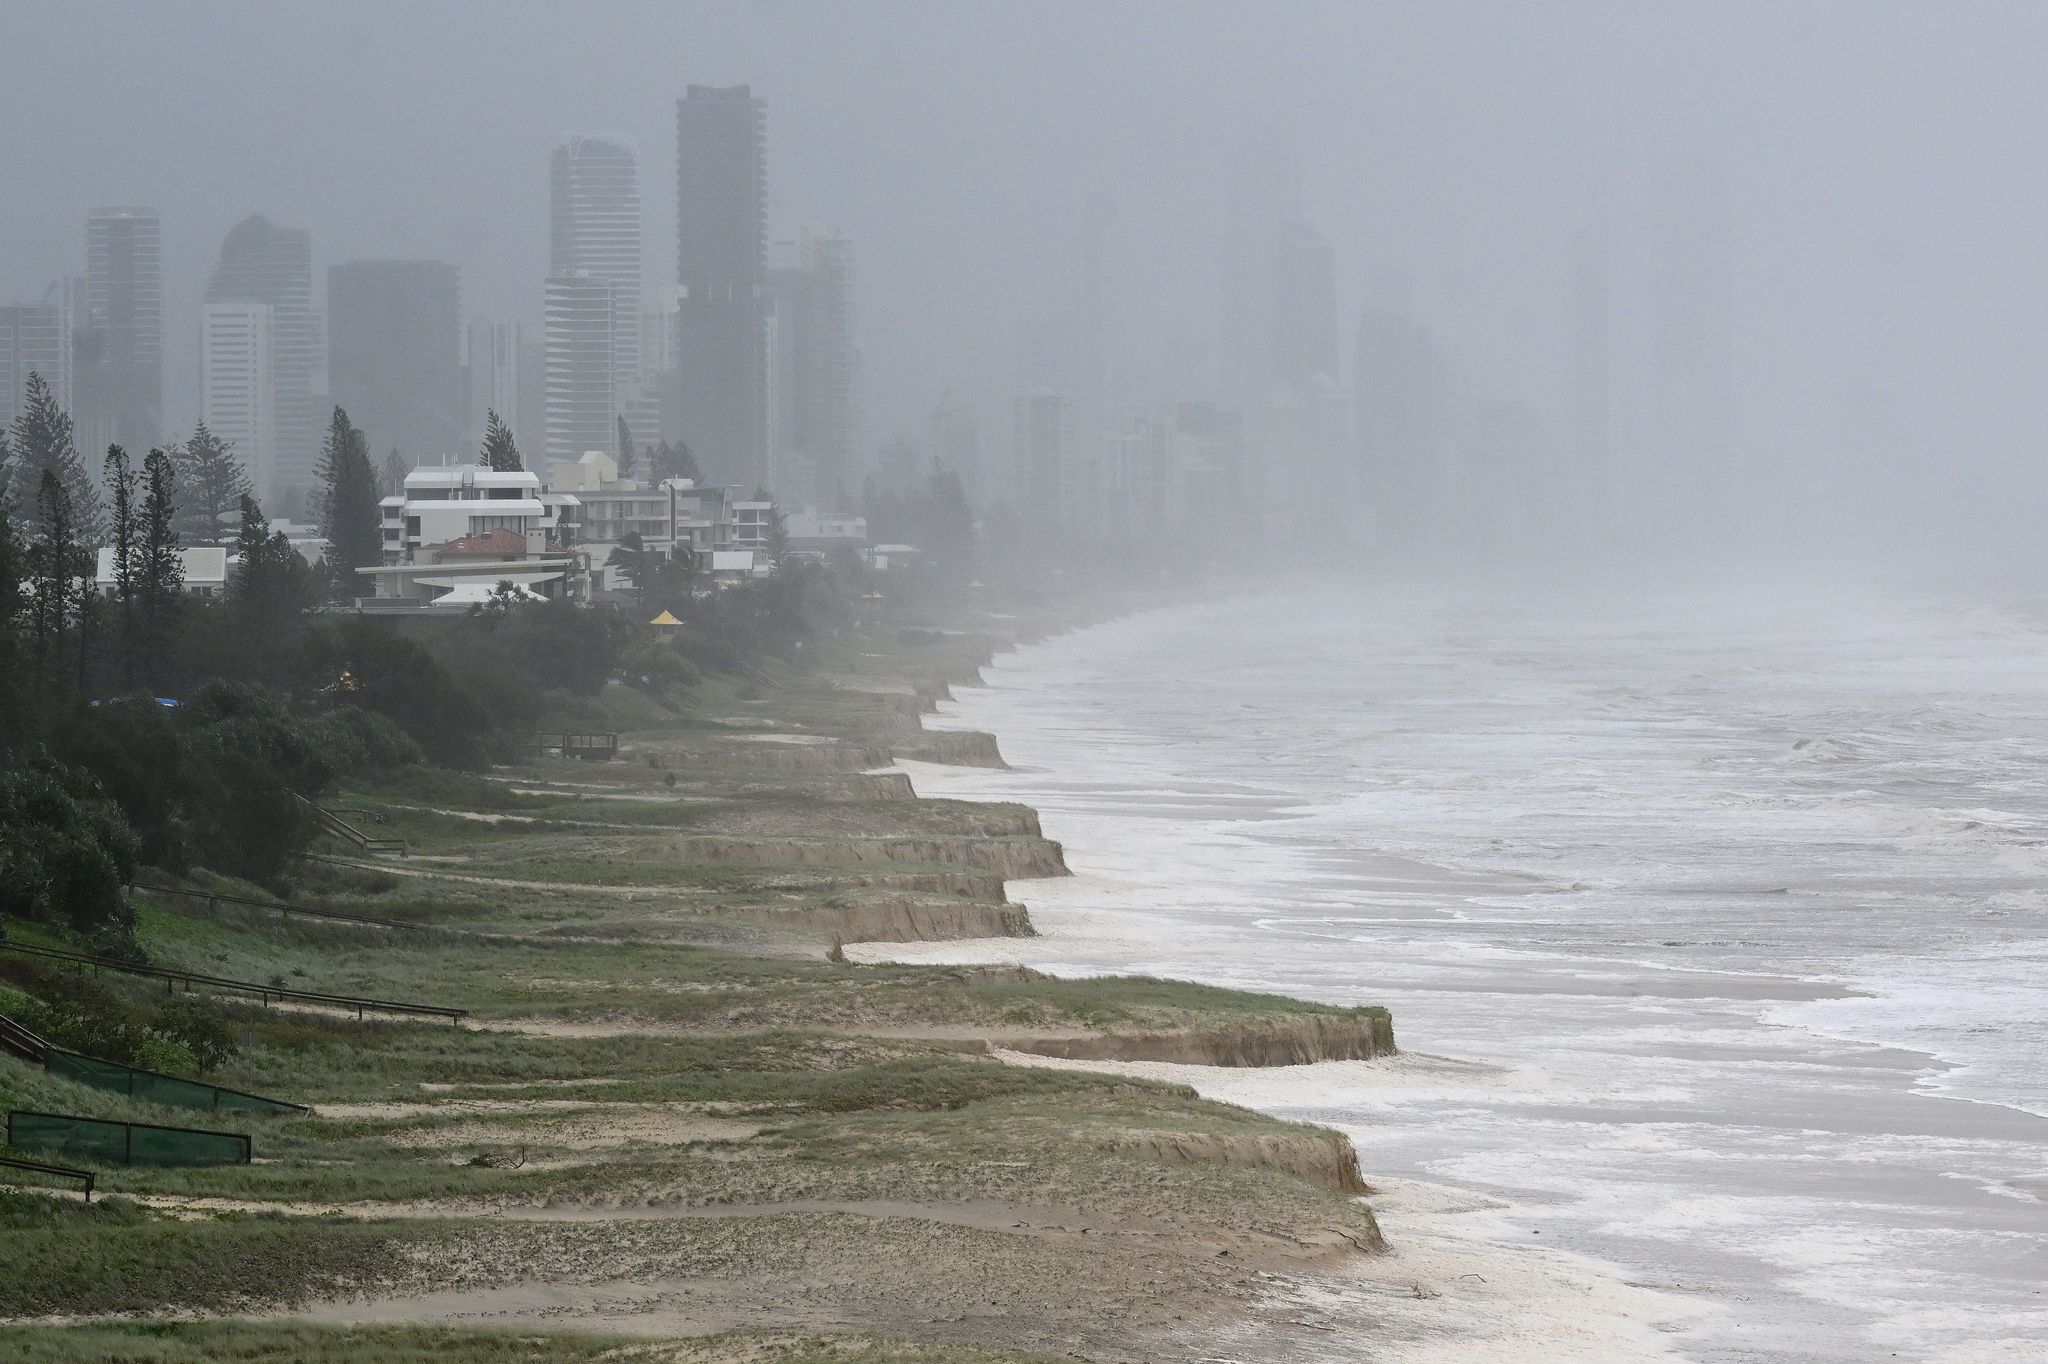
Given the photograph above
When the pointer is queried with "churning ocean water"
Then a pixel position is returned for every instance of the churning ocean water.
(1717, 933)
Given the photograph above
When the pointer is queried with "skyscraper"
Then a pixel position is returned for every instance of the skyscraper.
(582, 372)
(1302, 324)
(238, 386)
(262, 262)
(718, 399)
(118, 337)
(494, 382)
(810, 291)
(394, 354)
(1043, 458)
(594, 230)
(35, 338)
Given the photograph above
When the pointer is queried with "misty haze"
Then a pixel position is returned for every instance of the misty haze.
(880, 682)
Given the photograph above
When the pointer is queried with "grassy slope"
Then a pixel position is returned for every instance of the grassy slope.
(791, 1053)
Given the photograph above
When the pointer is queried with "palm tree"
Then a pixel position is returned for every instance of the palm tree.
(634, 561)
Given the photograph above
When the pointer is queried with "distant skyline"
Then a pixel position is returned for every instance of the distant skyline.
(1886, 318)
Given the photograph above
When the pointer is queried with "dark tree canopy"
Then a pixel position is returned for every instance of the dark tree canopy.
(625, 449)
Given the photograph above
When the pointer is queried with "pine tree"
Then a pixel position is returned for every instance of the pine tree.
(500, 453)
(213, 481)
(43, 444)
(160, 569)
(120, 480)
(63, 590)
(684, 462)
(625, 449)
(349, 519)
(396, 468)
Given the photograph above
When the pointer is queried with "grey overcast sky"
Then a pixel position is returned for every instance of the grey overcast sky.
(1881, 163)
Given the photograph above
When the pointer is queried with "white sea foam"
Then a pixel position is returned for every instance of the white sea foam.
(1726, 906)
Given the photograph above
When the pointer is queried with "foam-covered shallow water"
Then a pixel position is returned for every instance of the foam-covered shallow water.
(1738, 914)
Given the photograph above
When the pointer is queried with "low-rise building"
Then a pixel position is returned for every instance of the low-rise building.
(205, 570)
(669, 516)
(459, 530)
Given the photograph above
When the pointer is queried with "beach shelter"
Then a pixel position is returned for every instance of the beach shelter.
(665, 622)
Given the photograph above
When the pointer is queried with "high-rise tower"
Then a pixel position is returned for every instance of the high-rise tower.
(810, 287)
(119, 339)
(718, 399)
(262, 262)
(394, 354)
(594, 231)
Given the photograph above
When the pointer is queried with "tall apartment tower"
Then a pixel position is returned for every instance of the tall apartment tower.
(718, 398)
(263, 262)
(394, 355)
(810, 293)
(582, 370)
(493, 375)
(118, 336)
(238, 386)
(35, 338)
(1043, 465)
(594, 230)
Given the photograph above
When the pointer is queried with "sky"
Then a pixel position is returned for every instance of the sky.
(1877, 160)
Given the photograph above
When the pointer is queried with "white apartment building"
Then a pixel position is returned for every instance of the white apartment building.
(238, 389)
(458, 530)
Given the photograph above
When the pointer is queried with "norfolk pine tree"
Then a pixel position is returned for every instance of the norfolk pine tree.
(213, 482)
(500, 454)
(349, 519)
(121, 481)
(160, 569)
(43, 444)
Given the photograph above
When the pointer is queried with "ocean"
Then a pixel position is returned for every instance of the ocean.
(1715, 934)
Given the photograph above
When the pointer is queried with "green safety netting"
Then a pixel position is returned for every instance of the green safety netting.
(126, 1143)
(157, 1087)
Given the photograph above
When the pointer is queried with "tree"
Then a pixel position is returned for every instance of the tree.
(634, 561)
(213, 483)
(395, 470)
(59, 577)
(500, 452)
(120, 480)
(14, 719)
(349, 518)
(625, 449)
(43, 444)
(160, 569)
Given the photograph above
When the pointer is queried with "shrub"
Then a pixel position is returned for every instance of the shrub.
(66, 852)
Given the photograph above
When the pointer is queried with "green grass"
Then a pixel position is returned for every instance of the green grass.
(67, 1257)
(271, 1342)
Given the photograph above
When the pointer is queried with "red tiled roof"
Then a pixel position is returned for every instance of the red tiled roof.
(491, 544)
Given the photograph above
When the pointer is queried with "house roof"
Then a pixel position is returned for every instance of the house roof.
(490, 544)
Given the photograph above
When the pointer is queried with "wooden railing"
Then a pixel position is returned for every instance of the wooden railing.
(172, 978)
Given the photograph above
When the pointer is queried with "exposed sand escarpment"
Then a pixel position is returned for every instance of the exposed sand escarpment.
(1323, 1158)
(1292, 1041)
(953, 748)
(1019, 857)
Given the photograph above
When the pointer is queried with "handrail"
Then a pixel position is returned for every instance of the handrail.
(337, 825)
(266, 993)
(61, 1171)
(215, 897)
(22, 1042)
